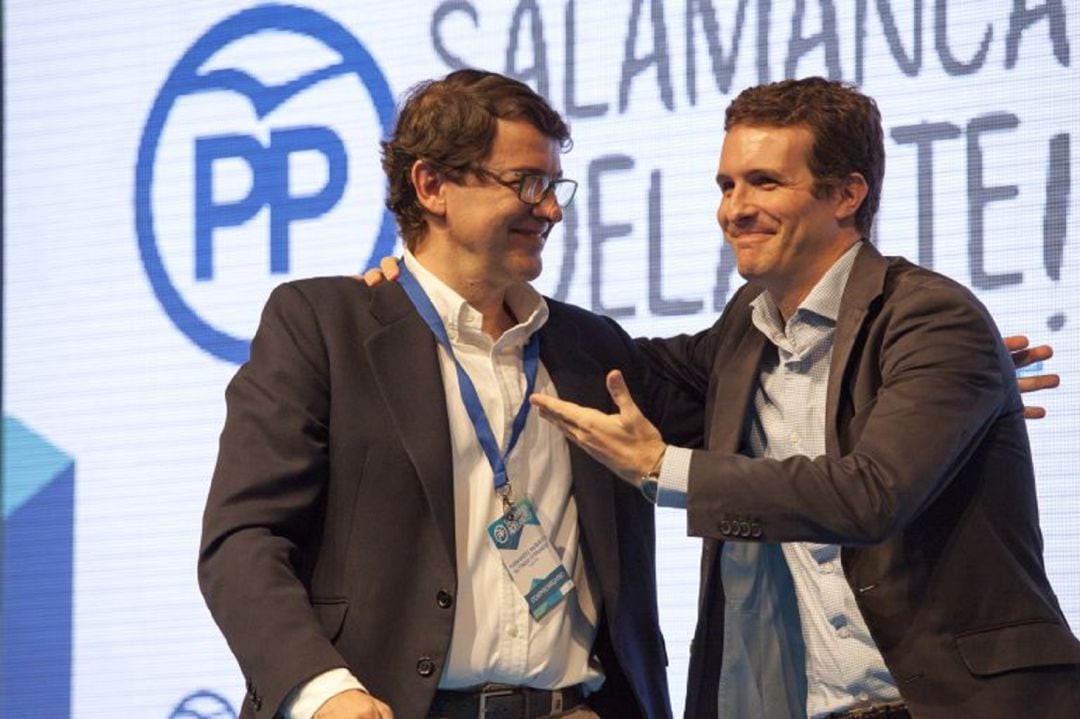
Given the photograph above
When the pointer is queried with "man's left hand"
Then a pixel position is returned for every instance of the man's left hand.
(625, 441)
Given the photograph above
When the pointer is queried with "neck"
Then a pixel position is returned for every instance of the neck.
(486, 297)
(788, 302)
(789, 295)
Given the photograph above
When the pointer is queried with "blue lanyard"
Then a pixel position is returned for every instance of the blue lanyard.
(530, 360)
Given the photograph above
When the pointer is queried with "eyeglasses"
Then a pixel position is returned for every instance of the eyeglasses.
(533, 189)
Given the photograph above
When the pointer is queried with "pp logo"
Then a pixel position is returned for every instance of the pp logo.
(259, 162)
(203, 705)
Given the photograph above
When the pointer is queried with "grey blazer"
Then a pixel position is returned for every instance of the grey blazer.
(927, 483)
(328, 536)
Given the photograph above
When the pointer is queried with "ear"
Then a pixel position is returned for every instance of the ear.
(850, 195)
(430, 187)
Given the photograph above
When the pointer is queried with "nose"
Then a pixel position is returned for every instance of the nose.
(548, 209)
(735, 207)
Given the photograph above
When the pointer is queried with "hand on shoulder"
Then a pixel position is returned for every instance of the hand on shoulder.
(354, 704)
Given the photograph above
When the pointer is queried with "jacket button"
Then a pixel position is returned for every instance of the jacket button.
(425, 667)
(725, 527)
(744, 529)
(755, 530)
(444, 599)
(256, 700)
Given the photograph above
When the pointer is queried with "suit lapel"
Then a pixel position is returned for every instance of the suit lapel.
(405, 363)
(579, 379)
(734, 383)
(865, 283)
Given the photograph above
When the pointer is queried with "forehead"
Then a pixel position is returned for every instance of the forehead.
(519, 145)
(754, 147)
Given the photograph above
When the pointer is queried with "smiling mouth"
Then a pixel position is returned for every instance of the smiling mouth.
(539, 234)
(749, 237)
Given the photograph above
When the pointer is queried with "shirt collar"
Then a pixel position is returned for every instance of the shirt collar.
(823, 300)
(463, 320)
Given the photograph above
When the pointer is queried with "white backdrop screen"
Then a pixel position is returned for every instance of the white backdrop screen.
(165, 164)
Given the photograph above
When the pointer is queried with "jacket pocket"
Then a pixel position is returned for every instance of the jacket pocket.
(1036, 643)
(331, 615)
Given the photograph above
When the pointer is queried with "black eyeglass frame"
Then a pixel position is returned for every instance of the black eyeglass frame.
(551, 185)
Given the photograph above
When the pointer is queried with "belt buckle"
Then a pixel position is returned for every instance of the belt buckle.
(499, 708)
(874, 711)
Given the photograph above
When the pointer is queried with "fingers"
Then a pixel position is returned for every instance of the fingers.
(387, 271)
(373, 277)
(556, 420)
(354, 704)
(580, 424)
(1022, 355)
(1034, 384)
(1038, 382)
(385, 712)
(557, 410)
(1026, 356)
(620, 394)
(389, 267)
(561, 414)
(1016, 342)
(626, 442)
(1034, 412)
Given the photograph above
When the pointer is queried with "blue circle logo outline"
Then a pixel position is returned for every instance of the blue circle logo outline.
(183, 710)
(286, 18)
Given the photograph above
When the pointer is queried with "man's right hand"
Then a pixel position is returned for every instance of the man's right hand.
(1022, 356)
(387, 270)
(354, 704)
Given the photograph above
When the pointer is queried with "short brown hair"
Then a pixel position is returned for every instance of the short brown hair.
(846, 125)
(451, 124)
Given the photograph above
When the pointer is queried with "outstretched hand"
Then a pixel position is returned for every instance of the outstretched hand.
(626, 442)
(1022, 356)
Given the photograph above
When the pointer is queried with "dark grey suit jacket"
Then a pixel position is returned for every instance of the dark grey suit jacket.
(328, 537)
(927, 483)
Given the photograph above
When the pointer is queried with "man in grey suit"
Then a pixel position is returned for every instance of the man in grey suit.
(379, 454)
(866, 495)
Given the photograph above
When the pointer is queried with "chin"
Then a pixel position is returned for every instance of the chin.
(527, 268)
(531, 273)
(747, 270)
(752, 265)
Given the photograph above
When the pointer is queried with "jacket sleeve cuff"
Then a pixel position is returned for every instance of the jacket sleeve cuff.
(307, 698)
(674, 480)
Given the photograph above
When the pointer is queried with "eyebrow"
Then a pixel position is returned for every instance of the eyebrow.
(527, 170)
(752, 172)
(537, 171)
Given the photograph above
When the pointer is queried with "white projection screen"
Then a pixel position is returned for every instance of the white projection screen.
(165, 164)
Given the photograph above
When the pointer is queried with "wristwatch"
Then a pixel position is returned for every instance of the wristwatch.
(650, 485)
(650, 481)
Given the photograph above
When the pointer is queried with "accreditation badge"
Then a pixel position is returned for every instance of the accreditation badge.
(529, 557)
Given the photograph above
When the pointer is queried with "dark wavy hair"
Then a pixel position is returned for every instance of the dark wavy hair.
(846, 125)
(451, 124)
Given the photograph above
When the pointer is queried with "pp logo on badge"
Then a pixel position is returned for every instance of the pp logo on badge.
(259, 162)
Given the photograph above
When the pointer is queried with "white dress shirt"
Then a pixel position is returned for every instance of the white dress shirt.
(495, 639)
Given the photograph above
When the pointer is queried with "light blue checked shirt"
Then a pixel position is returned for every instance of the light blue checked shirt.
(843, 668)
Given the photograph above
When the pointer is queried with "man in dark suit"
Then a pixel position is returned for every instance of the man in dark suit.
(354, 536)
(867, 499)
